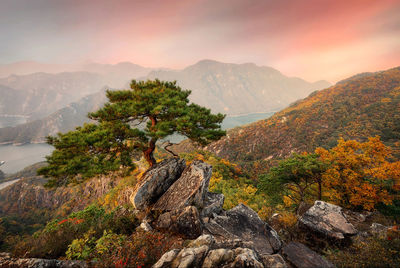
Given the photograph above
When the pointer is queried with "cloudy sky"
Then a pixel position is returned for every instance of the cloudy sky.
(312, 39)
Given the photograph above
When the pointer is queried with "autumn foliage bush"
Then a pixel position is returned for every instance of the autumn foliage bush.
(54, 239)
(360, 175)
(141, 249)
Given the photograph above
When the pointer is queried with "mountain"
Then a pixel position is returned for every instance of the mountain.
(65, 119)
(238, 88)
(40, 94)
(356, 108)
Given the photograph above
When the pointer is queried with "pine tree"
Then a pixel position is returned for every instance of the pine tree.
(131, 121)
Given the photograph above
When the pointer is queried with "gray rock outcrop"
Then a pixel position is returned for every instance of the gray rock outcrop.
(156, 181)
(184, 221)
(301, 256)
(327, 219)
(241, 222)
(190, 189)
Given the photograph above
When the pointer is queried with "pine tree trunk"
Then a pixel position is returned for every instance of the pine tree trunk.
(148, 153)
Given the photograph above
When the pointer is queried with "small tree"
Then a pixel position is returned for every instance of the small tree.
(133, 120)
(294, 178)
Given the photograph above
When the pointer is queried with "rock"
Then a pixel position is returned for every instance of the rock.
(190, 257)
(328, 220)
(184, 221)
(379, 229)
(156, 181)
(301, 256)
(212, 204)
(243, 223)
(354, 217)
(218, 257)
(7, 261)
(202, 240)
(245, 258)
(145, 226)
(190, 189)
(166, 259)
(273, 261)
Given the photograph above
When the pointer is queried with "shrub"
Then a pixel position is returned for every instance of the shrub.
(54, 239)
(374, 252)
(141, 249)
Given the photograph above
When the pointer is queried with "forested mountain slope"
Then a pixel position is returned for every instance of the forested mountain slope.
(356, 108)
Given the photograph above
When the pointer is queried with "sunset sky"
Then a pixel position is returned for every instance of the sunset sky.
(312, 39)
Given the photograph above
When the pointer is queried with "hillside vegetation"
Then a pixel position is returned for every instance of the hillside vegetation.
(357, 108)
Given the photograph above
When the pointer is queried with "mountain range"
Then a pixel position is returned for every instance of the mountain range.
(59, 102)
(239, 88)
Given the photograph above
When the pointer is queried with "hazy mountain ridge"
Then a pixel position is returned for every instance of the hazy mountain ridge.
(65, 119)
(38, 95)
(356, 108)
(44, 93)
(238, 88)
(213, 84)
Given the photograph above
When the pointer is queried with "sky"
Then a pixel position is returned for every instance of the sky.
(311, 39)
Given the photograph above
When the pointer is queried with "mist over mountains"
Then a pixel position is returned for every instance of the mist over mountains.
(58, 102)
(239, 88)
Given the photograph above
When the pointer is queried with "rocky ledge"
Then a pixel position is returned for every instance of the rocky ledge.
(235, 238)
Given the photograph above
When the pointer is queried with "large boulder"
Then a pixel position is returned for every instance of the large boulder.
(301, 256)
(218, 257)
(185, 221)
(156, 181)
(190, 257)
(190, 189)
(243, 223)
(327, 219)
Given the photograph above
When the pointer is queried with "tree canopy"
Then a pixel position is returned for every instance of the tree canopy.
(361, 174)
(294, 179)
(131, 121)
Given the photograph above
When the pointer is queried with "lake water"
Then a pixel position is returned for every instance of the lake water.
(18, 157)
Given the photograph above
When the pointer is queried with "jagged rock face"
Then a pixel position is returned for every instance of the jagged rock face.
(212, 204)
(7, 261)
(243, 223)
(328, 220)
(190, 189)
(29, 194)
(156, 182)
(301, 256)
(184, 221)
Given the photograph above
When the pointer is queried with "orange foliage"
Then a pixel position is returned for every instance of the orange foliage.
(360, 174)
